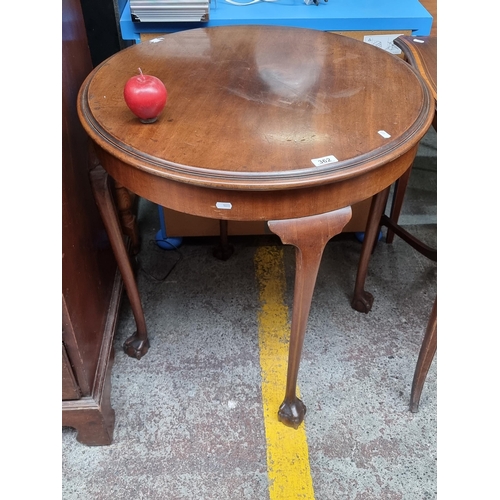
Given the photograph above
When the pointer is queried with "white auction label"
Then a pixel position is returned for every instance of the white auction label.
(384, 134)
(225, 205)
(318, 162)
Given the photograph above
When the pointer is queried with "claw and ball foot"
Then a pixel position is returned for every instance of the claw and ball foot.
(309, 235)
(362, 302)
(136, 347)
(291, 413)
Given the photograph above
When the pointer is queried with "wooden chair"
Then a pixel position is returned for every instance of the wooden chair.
(421, 53)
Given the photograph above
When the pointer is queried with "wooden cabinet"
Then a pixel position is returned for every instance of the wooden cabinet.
(91, 286)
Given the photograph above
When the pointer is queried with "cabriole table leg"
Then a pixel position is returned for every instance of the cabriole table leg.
(137, 345)
(309, 235)
(128, 220)
(362, 301)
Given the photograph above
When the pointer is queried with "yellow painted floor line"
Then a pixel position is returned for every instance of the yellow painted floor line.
(287, 452)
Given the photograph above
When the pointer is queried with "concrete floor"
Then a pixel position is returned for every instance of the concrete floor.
(189, 420)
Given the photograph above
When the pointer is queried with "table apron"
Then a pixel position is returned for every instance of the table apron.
(254, 205)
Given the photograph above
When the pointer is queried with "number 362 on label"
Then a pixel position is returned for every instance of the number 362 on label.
(318, 162)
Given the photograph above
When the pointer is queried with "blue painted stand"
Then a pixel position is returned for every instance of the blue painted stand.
(335, 15)
(360, 236)
(162, 240)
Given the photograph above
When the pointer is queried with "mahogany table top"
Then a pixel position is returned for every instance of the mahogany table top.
(251, 107)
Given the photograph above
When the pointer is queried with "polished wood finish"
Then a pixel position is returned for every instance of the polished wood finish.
(362, 300)
(425, 357)
(92, 414)
(138, 344)
(249, 108)
(419, 246)
(308, 235)
(70, 388)
(91, 286)
(421, 53)
(240, 117)
(125, 206)
(397, 203)
(423, 57)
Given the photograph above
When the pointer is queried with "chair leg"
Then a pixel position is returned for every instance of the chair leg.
(397, 202)
(425, 357)
(399, 194)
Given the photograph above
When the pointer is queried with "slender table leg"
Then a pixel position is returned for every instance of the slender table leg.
(128, 219)
(397, 202)
(362, 300)
(137, 345)
(309, 235)
(224, 250)
(425, 357)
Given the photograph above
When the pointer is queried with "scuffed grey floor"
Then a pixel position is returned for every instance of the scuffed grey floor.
(189, 421)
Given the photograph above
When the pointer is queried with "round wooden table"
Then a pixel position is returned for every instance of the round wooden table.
(285, 125)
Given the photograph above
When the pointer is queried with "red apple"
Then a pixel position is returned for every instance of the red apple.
(146, 96)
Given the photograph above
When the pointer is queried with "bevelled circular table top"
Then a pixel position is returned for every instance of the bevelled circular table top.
(250, 107)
